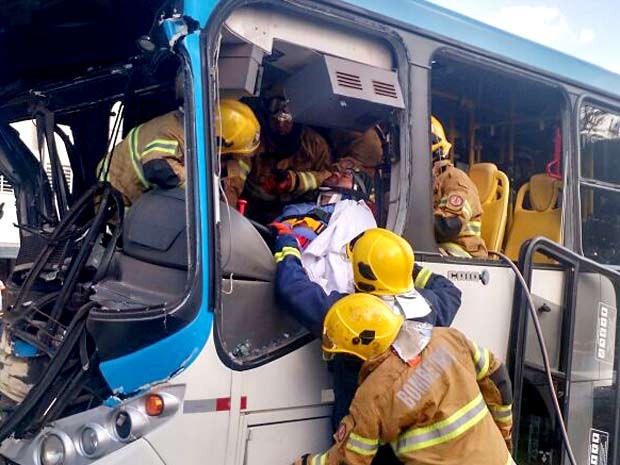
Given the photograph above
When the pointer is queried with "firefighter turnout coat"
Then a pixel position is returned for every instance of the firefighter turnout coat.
(357, 150)
(455, 195)
(308, 159)
(450, 405)
(308, 302)
(158, 139)
(153, 154)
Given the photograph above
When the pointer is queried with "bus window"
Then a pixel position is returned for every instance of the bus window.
(75, 241)
(349, 102)
(504, 132)
(600, 183)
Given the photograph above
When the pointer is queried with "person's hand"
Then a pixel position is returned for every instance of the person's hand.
(284, 181)
(279, 229)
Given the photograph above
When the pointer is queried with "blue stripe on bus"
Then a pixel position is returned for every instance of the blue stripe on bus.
(168, 356)
(158, 362)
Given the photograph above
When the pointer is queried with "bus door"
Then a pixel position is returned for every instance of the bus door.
(580, 336)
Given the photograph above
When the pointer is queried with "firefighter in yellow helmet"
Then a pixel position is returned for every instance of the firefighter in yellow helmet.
(430, 393)
(456, 203)
(153, 154)
(383, 264)
(291, 163)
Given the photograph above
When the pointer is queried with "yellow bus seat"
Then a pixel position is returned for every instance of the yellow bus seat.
(494, 191)
(542, 218)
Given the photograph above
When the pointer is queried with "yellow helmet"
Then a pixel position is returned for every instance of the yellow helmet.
(382, 263)
(361, 325)
(440, 147)
(236, 127)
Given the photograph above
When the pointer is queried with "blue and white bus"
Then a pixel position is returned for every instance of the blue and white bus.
(157, 339)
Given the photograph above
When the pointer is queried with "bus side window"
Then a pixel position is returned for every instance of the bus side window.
(600, 207)
(503, 129)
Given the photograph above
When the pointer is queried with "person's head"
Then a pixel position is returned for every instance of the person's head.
(440, 147)
(280, 116)
(360, 325)
(382, 263)
(236, 127)
(342, 185)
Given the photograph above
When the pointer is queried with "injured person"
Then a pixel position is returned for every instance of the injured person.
(325, 228)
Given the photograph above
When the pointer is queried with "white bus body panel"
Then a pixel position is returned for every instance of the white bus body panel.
(260, 26)
(138, 452)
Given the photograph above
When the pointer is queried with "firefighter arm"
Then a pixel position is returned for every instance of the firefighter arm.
(305, 300)
(237, 168)
(453, 204)
(447, 228)
(496, 388)
(441, 294)
(163, 163)
(307, 181)
(310, 180)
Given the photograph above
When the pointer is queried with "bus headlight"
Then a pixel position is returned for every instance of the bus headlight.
(93, 440)
(89, 441)
(122, 425)
(129, 424)
(52, 450)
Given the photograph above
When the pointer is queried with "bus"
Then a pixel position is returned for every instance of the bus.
(153, 336)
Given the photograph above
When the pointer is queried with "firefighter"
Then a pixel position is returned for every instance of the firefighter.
(384, 265)
(430, 393)
(153, 154)
(456, 204)
(358, 150)
(291, 163)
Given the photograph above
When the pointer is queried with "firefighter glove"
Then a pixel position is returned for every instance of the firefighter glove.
(159, 172)
(447, 229)
(285, 181)
(278, 229)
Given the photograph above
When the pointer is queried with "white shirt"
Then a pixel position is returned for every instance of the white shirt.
(325, 259)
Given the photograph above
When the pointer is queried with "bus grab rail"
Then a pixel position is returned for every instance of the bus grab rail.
(572, 262)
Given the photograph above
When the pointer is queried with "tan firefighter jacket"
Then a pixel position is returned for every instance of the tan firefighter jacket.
(455, 195)
(163, 138)
(357, 150)
(159, 138)
(444, 407)
(310, 163)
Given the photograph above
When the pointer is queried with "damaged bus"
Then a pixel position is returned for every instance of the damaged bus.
(151, 334)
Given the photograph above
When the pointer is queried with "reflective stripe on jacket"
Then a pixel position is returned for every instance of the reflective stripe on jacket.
(436, 411)
(159, 138)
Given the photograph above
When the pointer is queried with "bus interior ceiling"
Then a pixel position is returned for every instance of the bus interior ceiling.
(496, 117)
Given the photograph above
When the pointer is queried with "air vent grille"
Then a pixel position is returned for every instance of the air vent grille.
(352, 81)
(384, 89)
